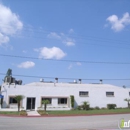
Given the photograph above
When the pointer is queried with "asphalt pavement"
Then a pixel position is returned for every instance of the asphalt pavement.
(100, 122)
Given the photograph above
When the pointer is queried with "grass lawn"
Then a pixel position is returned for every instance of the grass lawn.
(9, 113)
(75, 112)
(89, 112)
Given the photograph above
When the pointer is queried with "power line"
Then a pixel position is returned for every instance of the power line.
(87, 37)
(32, 76)
(88, 62)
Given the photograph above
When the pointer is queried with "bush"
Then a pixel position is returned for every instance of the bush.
(85, 107)
(111, 106)
(72, 101)
(23, 113)
(97, 108)
(42, 112)
(91, 108)
(79, 107)
(103, 108)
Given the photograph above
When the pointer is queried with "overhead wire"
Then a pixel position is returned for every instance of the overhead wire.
(33, 76)
(90, 62)
(93, 38)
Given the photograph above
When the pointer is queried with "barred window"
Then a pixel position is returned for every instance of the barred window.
(12, 100)
(62, 100)
(111, 94)
(83, 93)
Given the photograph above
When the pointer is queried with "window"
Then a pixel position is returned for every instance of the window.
(62, 100)
(49, 99)
(110, 94)
(129, 93)
(12, 100)
(84, 93)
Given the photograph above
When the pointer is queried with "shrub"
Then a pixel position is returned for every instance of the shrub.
(23, 113)
(97, 108)
(42, 112)
(111, 106)
(103, 108)
(72, 101)
(79, 107)
(91, 108)
(85, 105)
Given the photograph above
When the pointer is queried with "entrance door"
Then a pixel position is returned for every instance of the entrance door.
(30, 103)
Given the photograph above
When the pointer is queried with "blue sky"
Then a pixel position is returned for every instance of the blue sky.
(75, 30)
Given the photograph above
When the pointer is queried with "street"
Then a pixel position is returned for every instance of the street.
(62, 123)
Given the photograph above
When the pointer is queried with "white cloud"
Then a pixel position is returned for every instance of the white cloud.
(9, 23)
(26, 65)
(54, 35)
(78, 63)
(3, 39)
(63, 38)
(51, 53)
(62, 34)
(24, 51)
(119, 24)
(69, 42)
(70, 66)
(71, 30)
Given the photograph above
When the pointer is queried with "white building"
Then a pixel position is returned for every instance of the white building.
(59, 95)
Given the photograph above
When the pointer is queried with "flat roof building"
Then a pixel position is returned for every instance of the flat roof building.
(59, 94)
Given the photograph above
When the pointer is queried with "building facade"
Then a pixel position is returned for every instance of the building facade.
(59, 94)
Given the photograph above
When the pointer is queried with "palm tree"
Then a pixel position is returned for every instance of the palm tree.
(45, 102)
(128, 101)
(18, 98)
(85, 105)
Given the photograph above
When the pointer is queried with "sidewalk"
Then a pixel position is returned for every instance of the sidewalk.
(33, 113)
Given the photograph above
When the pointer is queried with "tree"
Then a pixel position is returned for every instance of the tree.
(18, 98)
(128, 101)
(85, 105)
(45, 102)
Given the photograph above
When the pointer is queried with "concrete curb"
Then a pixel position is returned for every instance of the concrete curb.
(63, 115)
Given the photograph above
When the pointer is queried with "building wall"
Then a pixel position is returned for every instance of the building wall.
(97, 94)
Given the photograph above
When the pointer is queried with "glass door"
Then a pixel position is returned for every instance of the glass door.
(30, 103)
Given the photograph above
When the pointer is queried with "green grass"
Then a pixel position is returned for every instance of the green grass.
(9, 113)
(77, 112)
(89, 112)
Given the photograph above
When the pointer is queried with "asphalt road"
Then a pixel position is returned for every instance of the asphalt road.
(62, 123)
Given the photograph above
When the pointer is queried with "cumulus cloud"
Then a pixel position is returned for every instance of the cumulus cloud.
(24, 51)
(26, 65)
(118, 24)
(54, 35)
(69, 42)
(78, 63)
(50, 53)
(9, 24)
(63, 38)
(71, 30)
(70, 66)
(3, 39)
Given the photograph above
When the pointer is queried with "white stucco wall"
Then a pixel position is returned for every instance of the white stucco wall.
(97, 94)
